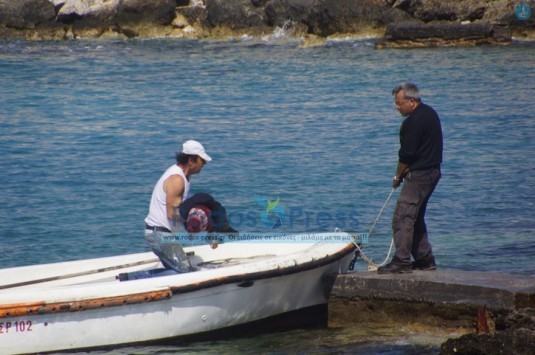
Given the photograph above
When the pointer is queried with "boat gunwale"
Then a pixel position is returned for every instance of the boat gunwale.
(41, 307)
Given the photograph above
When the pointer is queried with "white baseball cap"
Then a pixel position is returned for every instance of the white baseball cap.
(192, 147)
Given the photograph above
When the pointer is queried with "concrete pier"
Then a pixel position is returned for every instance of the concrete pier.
(467, 302)
(446, 287)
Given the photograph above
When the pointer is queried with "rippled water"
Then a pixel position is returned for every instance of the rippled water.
(87, 128)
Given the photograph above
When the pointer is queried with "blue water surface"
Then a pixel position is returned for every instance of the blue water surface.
(87, 127)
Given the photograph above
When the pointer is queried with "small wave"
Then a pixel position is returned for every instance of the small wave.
(287, 33)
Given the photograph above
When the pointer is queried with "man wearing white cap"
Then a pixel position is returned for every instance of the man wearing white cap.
(170, 191)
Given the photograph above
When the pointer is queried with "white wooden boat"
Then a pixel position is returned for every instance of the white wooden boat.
(82, 304)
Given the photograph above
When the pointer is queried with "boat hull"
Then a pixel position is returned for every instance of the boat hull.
(169, 309)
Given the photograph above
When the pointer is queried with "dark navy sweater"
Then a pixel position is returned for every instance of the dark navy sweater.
(420, 136)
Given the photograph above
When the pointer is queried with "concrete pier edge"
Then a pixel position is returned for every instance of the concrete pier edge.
(471, 302)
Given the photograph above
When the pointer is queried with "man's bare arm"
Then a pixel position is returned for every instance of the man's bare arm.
(174, 190)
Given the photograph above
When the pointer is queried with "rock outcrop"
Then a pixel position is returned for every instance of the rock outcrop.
(23, 14)
(55, 19)
(514, 333)
(31, 19)
(329, 18)
(442, 34)
(457, 10)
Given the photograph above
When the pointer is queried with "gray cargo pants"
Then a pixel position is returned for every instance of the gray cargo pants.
(408, 224)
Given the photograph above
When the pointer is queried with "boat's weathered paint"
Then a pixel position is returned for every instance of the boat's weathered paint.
(26, 309)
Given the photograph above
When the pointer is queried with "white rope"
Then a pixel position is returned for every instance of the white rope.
(371, 265)
(381, 212)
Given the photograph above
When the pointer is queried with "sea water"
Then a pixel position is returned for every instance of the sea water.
(87, 127)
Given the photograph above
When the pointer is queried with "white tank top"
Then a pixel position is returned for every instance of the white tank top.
(157, 216)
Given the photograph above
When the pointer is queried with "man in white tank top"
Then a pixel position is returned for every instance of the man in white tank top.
(170, 191)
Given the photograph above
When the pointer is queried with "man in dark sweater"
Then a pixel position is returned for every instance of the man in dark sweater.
(420, 156)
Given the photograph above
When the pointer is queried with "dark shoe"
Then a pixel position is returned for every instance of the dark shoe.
(394, 268)
(424, 265)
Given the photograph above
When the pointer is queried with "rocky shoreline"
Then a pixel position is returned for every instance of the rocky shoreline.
(480, 312)
(313, 21)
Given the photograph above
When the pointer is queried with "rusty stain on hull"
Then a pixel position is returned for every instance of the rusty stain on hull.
(25, 309)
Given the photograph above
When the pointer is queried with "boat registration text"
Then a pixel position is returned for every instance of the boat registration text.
(17, 327)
